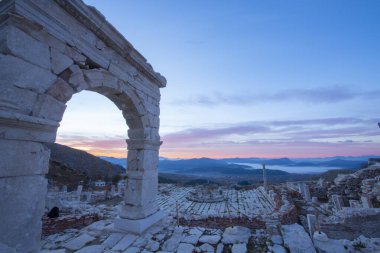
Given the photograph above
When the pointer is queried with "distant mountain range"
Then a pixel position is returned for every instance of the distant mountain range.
(68, 166)
(165, 164)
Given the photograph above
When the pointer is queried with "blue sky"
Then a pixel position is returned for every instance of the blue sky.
(247, 78)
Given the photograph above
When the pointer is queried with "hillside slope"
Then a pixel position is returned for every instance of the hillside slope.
(69, 166)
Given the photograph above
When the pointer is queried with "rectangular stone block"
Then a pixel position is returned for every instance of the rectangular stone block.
(16, 42)
(76, 78)
(24, 75)
(140, 225)
(12, 129)
(312, 224)
(21, 158)
(338, 202)
(366, 202)
(13, 98)
(140, 192)
(61, 90)
(22, 206)
(97, 77)
(59, 61)
(48, 107)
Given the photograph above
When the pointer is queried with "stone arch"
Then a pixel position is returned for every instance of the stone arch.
(45, 58)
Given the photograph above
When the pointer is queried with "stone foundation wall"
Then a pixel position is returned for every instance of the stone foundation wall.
(353, 227)
(52, 226)
(222, 223)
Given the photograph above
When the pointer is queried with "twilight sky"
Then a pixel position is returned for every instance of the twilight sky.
(246, 78)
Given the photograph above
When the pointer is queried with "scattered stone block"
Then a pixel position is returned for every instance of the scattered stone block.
(278, 249)
(296, 239)
(276, 239)
(219, 248)
(207, 248)
(210, 239)
(338, 202)
(312, 223)
(366, 202)
(185, 248)
(354, 203)
(192, 239)
(239, 248)
(325, 245)
(236, 234)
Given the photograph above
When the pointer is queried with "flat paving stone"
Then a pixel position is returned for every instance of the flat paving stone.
(91, 249)
(125, 242)
(185, 248)
(112, 240)
(79, 242)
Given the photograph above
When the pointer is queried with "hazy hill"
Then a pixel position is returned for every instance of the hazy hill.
(68, 165)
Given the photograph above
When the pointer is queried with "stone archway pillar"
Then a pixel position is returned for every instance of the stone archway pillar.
(23, 165)
(140, 210)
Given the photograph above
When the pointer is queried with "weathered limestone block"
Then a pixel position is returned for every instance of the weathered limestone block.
(79, 242)
(144, 134)
(59, 61)
(76, 56)
(61, 90)
(236, 234)
(296, 239)
(338, 202)
(366, 202)
(311, 223)
(48, 107)
(16, 126)
(24, 75)
(15, 42)
(123, 74)
(145, 160)
(74, 76)
(17, 99)
(99, 77)
(21, 215)
(140, 196)
(35, 158)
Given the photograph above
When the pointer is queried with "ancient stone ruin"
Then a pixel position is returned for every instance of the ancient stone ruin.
(51, 50)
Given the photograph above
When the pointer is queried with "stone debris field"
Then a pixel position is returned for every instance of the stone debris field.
(276, 214)
(248, 203)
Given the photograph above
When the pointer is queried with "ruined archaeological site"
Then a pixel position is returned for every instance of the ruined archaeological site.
(51, 50)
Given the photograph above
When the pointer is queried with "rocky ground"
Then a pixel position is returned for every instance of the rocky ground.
(282, 219)
(166, 236)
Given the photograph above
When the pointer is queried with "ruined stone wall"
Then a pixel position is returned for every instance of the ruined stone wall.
(222, 223)
(353, 227)
(56, 225)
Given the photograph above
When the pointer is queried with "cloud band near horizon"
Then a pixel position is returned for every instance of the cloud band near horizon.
(291, 138)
